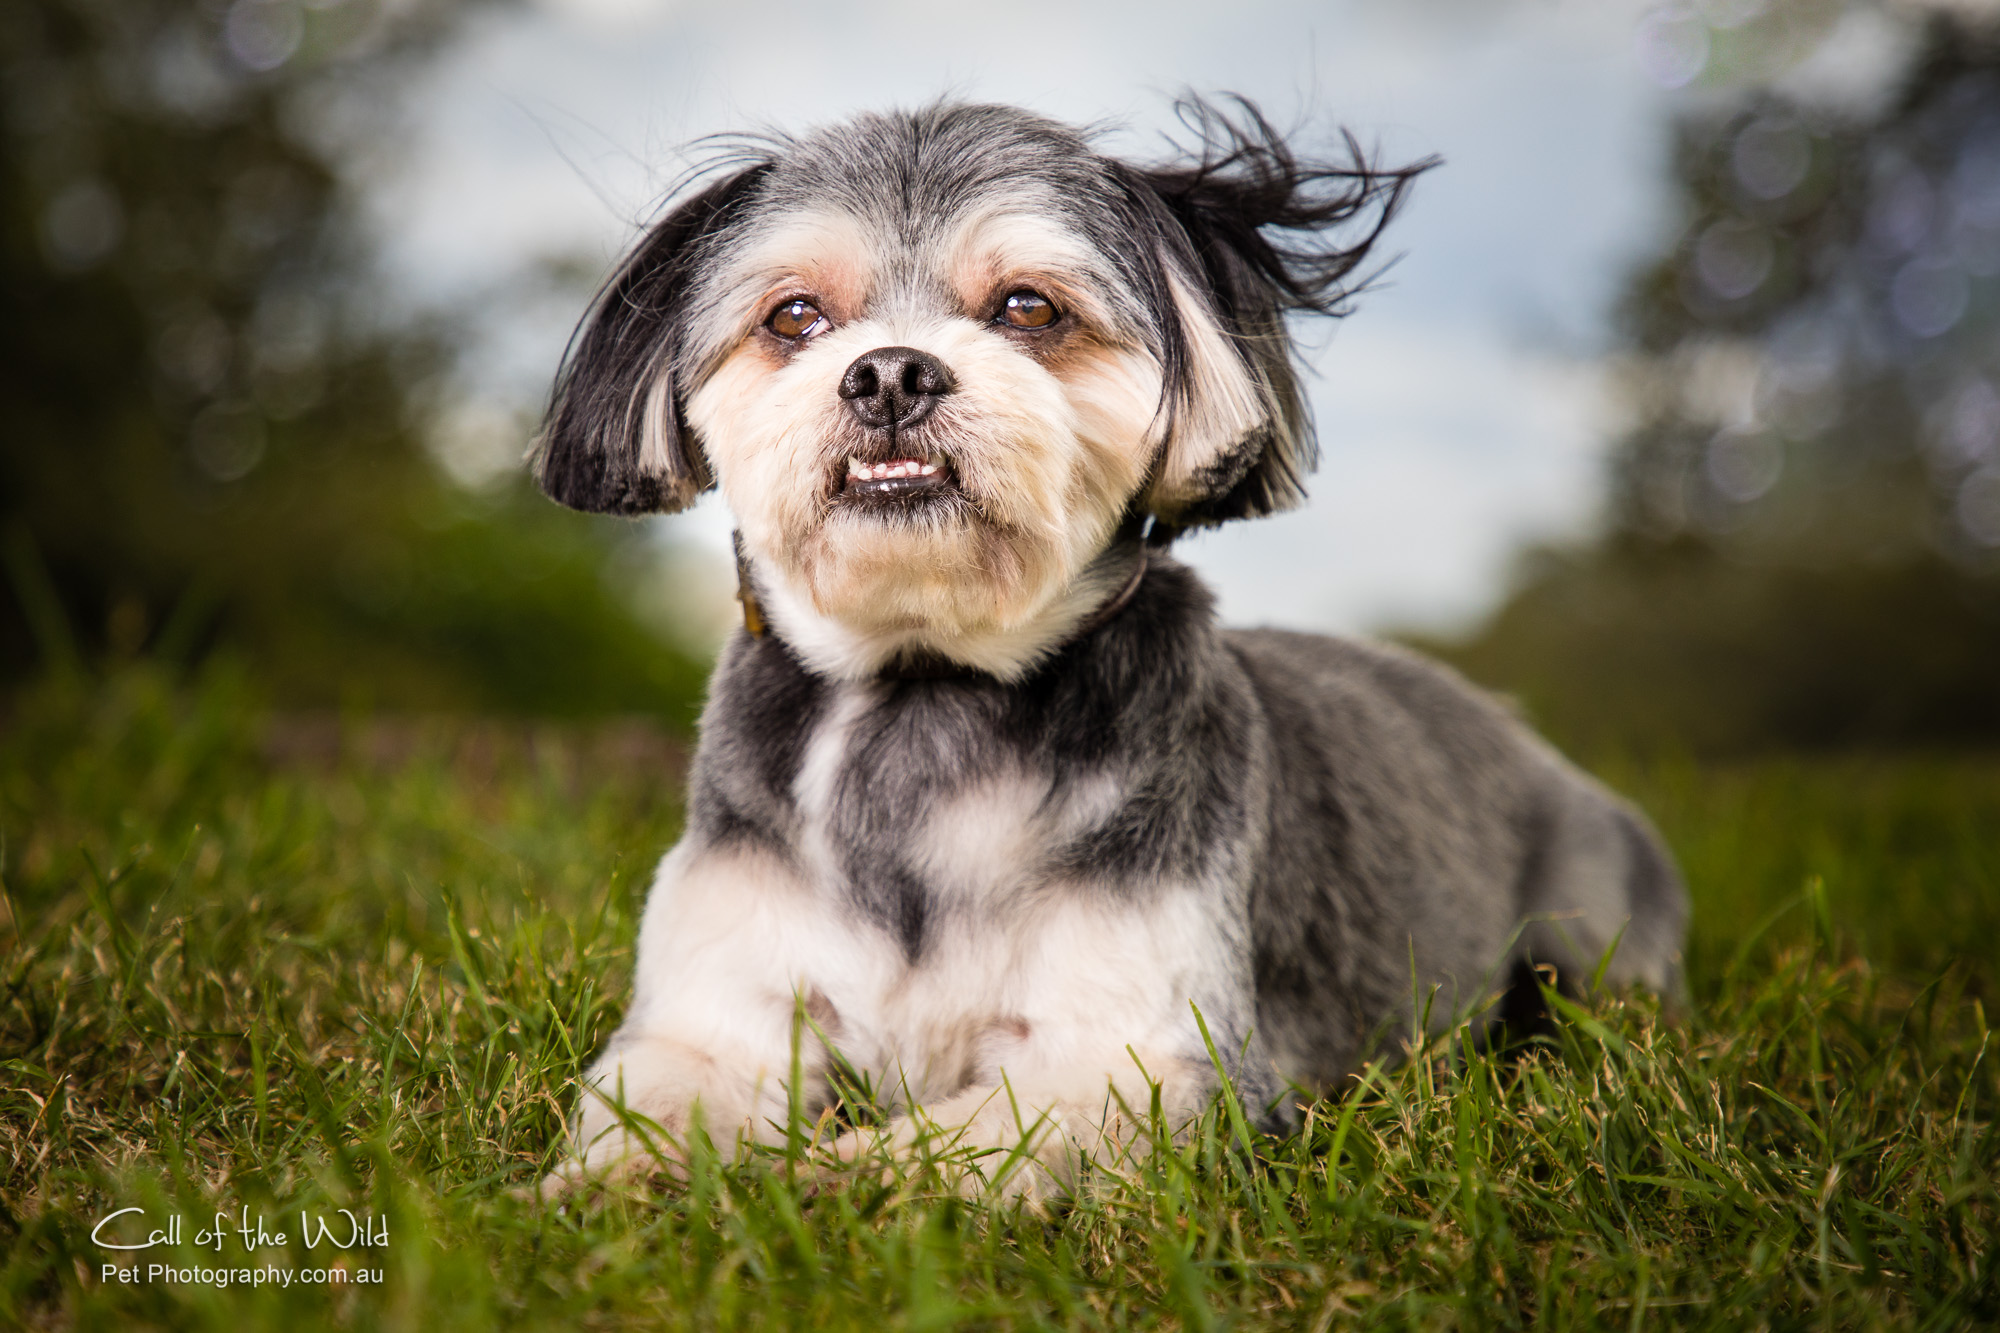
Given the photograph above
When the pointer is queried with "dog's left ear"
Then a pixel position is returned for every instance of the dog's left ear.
(613, 441)
(1241, 231)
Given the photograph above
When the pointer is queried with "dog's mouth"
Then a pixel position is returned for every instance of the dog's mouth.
(897, 481)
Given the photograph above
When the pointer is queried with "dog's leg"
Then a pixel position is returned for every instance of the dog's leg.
(646, 1094)
(1068, 1097)
(1103, 1022)
(718, 1024)
(1600, 891)
(1031, 1136)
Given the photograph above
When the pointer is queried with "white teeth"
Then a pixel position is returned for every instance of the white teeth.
(902, 467)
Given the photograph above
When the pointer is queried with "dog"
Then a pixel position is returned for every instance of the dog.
(985, 804)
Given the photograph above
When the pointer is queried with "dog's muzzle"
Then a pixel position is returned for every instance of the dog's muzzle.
(891, 390)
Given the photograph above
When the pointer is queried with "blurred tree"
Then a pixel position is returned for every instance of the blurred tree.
(1804, 537)
(208, 441)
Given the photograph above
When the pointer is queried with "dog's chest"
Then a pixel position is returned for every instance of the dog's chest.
(963, 931)
(919, 814)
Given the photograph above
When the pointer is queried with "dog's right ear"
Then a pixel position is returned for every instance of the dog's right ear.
(613, 441)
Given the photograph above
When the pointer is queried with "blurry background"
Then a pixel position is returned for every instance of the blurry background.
(1679, 417)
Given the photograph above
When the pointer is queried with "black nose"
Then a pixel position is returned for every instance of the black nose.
(893, 388)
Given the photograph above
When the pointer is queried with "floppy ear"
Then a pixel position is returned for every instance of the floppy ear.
(1241, 235)
(613, 441)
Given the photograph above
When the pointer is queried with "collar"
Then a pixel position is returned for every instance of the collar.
(936, 666)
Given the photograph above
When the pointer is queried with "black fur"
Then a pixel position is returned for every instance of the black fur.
(1253, 226)
(588, 454)
(1371, 803)
(1023, 879)
(1259, 225)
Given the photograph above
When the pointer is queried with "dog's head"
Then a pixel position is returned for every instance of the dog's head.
(936, 360)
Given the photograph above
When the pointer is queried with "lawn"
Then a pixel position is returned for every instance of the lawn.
(270, 966)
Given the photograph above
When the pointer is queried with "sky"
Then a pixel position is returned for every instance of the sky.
(1464, 409)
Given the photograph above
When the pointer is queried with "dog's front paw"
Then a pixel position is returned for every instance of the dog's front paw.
(589, 1177)
(568, 1183)
(646, 1103)
(613, 1162)
(975, 1145)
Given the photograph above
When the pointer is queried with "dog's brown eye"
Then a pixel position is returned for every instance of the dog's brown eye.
(1026, 310)
(795, 319)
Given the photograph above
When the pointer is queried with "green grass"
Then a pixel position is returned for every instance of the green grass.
(239, 979)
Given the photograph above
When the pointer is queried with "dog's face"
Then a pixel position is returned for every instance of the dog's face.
(924, 413)
(935, 361)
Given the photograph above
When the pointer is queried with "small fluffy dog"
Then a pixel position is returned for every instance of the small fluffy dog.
(982, 791)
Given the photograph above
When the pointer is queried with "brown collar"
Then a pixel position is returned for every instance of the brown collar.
(1121, 599)
(929, 665)
(753, 611)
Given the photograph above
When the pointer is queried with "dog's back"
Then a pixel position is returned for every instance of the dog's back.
(1415, 823)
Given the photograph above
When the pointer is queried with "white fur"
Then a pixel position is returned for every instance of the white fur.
(1048, 456)
(656, 416)
(1011, 1008)
(703, 1027)
(1010, 1027)
(827, 253)
(1047, 464)
(1222, 405)
(847, 652)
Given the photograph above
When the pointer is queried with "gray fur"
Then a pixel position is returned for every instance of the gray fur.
(1351, 807)
(1305, 837)
(1240, 219)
